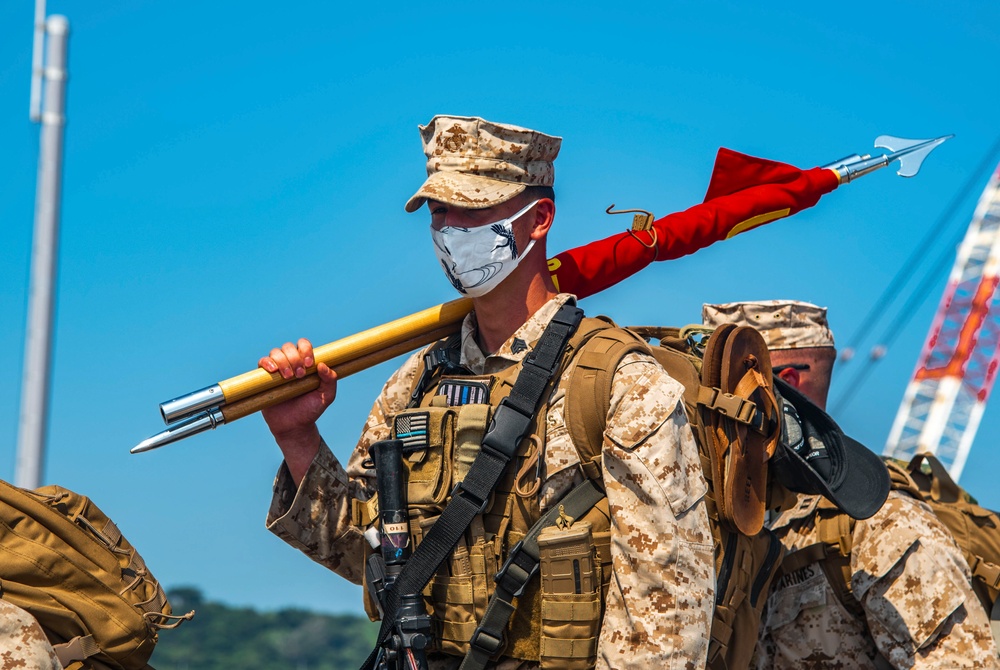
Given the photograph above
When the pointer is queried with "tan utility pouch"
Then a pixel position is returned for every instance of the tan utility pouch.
(428, 438)
(571, 597)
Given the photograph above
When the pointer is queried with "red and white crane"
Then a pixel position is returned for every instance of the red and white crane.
(945, 399)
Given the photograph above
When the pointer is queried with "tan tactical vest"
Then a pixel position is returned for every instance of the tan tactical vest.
(457, 596)
(441, 439)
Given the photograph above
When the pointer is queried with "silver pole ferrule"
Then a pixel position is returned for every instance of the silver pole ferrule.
(191, 403)
(852, 171)
(178, 431)
(846, 160)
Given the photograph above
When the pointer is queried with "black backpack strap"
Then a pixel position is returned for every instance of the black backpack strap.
(519, 569)
(510, 424)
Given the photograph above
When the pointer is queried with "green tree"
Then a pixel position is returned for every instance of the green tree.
(223, 637)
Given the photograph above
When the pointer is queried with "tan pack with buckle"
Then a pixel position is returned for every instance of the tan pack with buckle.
(976, 531)
(64, 561)
(735, 419)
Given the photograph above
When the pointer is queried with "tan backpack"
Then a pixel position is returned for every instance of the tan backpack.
(66, 563)
(723, 398)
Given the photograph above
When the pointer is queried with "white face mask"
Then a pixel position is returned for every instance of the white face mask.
(476, 260)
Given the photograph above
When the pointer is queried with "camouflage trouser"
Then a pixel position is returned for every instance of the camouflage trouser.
(22, 642)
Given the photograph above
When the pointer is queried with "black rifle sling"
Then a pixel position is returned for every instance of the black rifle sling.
(510, 425)
(517, 572)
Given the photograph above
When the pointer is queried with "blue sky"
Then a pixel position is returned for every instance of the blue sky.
(235, 176)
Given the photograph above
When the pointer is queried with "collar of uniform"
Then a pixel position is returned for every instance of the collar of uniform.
(479, 363)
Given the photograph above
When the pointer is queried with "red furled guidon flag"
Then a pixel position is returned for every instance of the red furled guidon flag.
(745, 192)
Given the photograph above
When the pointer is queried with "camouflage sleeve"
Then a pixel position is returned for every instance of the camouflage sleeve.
(22, 642)
(659, 604)
(914, 584)
(316, 517)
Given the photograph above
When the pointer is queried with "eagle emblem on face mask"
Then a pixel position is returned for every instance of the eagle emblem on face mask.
(508, 239)
(455, 281)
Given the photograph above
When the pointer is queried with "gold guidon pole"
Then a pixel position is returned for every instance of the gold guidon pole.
(250, 392)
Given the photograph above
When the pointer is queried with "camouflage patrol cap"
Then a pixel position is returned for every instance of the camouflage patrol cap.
(785, 324)
(474, 163)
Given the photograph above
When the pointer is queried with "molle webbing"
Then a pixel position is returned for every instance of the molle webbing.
(68, 565)
(511, 423)
(521, 566)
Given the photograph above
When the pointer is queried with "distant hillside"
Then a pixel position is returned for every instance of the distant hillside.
(222, 638)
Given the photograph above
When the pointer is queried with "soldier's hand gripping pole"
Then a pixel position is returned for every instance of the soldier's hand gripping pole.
(405, 647)
(253, 391)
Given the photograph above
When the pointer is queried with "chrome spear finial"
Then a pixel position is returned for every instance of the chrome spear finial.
(909, 153)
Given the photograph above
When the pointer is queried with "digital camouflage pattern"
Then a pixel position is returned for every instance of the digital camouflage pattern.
(912, 582)
(661, 597)
(474, 163)
(785, 324)
(23, 645)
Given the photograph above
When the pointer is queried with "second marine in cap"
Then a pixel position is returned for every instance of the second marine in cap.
(902, 597)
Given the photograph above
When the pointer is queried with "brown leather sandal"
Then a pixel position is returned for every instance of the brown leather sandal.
(742, 421)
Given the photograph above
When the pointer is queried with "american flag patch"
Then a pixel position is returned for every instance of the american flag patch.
(464, 392)
(412, 429)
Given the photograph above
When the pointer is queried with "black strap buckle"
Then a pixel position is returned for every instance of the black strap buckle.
(515, 575)
(507, 428)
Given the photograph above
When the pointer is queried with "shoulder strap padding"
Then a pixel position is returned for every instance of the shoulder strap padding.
(900, 480)
(588, 394)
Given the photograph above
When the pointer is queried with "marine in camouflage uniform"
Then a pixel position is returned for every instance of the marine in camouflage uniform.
(23, 645)
(659, 604)
(915, 603)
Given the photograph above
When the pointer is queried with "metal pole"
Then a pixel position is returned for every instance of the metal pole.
(38, 344)
(38, 42)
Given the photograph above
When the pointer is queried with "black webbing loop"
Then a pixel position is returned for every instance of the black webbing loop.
(443, 357)
(499, 447)
(519, 569)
